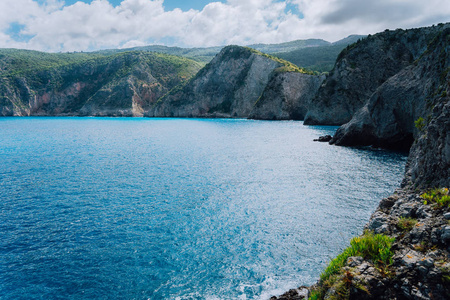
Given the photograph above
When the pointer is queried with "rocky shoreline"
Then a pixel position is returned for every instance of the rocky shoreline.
(420, 266)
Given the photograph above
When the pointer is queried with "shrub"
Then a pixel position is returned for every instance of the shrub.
(406, 224)
(439, 196)
(420, 123)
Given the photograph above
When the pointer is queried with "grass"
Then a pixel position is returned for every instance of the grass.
(286, 65)
(406, 224)
(370, 246)
(438, 196)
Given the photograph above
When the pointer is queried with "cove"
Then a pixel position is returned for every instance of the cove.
(177, 208)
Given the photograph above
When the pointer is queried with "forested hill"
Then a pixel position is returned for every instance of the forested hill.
(96, 84)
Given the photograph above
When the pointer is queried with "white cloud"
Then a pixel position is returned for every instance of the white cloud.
(54, 27)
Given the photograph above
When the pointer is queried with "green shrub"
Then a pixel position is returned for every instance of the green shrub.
(439, 196)
(406, 224)
(420, 123)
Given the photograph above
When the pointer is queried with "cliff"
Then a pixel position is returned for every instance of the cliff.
(405, 251)
(123, 84)
(287, 96)
(388, 118)
(362, 67)
(231, 84)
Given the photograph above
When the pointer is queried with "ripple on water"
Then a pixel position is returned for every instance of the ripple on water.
(177, 209)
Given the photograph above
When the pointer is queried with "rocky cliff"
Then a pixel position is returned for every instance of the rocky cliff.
(405, 251)
(362, 67)
(388, 118)
(231, 84)
(123, 84)
(287, 96)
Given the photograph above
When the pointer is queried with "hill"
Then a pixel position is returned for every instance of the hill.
(99, 84)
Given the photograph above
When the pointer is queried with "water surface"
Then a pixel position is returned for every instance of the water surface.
(177, 209)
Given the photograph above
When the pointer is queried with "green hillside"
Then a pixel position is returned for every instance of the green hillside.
(321, 58)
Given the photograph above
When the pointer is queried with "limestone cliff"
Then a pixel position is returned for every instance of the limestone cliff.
(388, 119)
(287, 96)
(123, 84)
(410, 230)
(229, 86)
(362, 67)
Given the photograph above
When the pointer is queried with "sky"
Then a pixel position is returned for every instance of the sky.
(87, 25)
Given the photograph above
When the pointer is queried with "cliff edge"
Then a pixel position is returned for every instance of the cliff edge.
(404, 252)
(235, 84)
(362, 68)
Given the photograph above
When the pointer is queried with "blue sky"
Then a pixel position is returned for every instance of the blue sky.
(168, 4)
(57, 25)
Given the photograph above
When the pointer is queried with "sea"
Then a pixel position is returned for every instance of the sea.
(140, 208)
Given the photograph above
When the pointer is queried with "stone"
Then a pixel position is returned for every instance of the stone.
(360, 70)
(377, 220)
(445, 235)
(386, 119)
(286, 96)
(325, 138)
(354, 261)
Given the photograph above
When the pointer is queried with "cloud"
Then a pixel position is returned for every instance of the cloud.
(99, 25)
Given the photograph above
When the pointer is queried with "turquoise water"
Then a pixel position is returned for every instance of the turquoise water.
(177, 209)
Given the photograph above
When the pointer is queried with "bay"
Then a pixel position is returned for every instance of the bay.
(134, 208)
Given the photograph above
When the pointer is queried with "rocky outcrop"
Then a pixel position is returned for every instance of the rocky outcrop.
(388, 119)
(417, 216)
(124, 84)
(236, 79)
(362, 67)
(287, 96)
(227, 87)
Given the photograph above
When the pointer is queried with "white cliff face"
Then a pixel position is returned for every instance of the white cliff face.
(227, 87)
(286, 97)
(239, 83)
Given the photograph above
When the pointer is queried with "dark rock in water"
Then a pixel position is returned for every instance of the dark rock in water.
(325, 138)
(362, 67)
(294, 294)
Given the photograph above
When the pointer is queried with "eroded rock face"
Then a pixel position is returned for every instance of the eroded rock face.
(287, 96)
(362, 68)
(387, 120)
(227, 87)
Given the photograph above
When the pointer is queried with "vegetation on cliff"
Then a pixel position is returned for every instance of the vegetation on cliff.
(63, 83)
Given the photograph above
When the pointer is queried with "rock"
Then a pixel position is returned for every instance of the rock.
(325, 138)
(287, 96)
(294, 294)
(354, 261)
(231, 84)
(379, 222)
(419, 233)
(447, 216)
(445, 235)
(410, 259)
(388, 118)
(361, 68)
